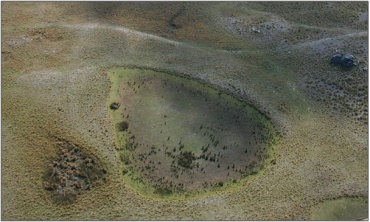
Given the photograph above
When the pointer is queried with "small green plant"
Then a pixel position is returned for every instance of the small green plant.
(122, 126)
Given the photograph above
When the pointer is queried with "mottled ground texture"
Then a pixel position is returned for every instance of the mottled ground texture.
(60, 156)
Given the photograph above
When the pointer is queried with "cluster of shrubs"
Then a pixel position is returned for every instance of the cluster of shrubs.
(72, 173)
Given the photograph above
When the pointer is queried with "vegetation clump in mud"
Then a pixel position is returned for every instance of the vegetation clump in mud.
(72, 173)
(185, 159)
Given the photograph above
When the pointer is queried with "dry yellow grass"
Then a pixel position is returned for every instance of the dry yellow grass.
(55, 57)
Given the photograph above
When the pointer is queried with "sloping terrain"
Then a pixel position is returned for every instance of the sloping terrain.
(56, 57)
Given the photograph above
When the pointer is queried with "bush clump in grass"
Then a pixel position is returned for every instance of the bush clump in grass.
(72, 173)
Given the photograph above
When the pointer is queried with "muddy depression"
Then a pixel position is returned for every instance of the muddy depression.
(176, 134)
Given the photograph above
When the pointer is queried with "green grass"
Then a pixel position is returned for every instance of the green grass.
(342, 209)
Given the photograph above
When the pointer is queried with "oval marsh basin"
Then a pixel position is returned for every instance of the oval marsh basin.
(182, 135)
